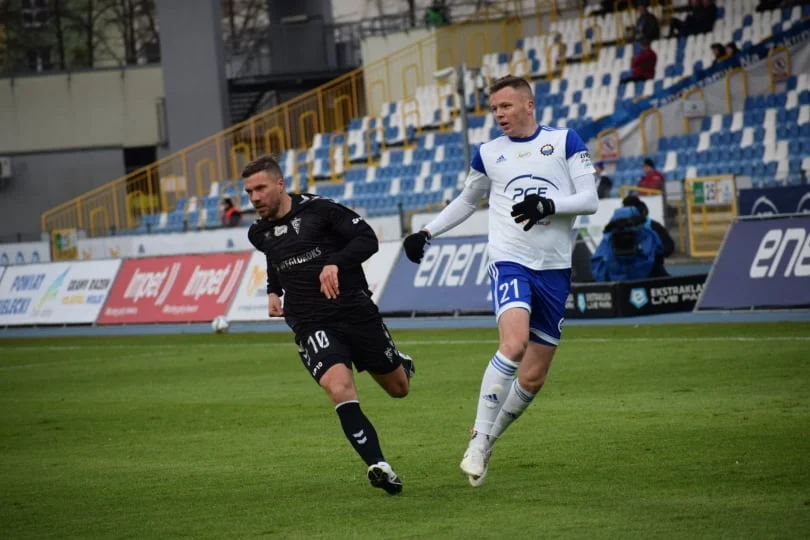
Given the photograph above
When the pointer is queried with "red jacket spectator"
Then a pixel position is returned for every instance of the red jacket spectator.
(652, 178)
(231, 216)
(643, 64)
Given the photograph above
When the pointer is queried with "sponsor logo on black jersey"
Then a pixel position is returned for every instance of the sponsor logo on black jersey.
(292, 262)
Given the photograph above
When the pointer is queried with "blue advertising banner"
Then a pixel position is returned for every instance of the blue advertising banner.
(763, 264)
(771, 201)
(452, 277)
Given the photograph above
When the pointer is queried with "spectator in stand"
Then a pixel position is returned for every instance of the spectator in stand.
(604, 184)
(682, 28)
(667, 242)
(731, 49)
(768, 5)
(646, 25)
(706, 17)
(719, 52)
(643, 64)
(701, 18)
(231, 216)
(652, 178)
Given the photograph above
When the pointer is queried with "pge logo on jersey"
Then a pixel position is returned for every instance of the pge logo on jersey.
(539, 186)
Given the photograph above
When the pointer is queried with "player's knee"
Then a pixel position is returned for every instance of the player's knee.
(513, 349)
(339, 390)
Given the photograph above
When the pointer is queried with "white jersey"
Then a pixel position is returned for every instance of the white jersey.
(512, 168)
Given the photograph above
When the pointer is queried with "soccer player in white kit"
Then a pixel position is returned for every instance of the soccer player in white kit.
(539, 179)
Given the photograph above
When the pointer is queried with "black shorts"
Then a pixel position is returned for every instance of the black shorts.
(367, 347)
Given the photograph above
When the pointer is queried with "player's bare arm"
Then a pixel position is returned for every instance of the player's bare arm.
(274, 305)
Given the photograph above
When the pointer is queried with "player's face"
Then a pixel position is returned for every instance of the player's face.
(513, 110)
(266, 193)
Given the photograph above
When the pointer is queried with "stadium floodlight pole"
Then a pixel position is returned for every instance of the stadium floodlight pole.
(455, 77)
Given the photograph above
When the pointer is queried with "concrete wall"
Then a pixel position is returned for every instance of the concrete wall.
(44, 180)
(101, 108)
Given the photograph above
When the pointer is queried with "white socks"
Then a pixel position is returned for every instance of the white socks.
(495, 387)
(513, 406)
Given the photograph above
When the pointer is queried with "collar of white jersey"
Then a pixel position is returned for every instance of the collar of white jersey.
(530, 137)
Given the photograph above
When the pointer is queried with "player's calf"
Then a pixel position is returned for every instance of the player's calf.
(395, 383)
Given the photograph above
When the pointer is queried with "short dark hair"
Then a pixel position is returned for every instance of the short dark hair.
(518, 83)
(265, 163)
(649, 162)
(635, 202)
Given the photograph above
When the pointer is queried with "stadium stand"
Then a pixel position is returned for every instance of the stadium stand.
(410, 155)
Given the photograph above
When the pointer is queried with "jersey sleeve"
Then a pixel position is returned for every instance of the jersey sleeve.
(477, 178)
(362, 240)
(577, 155)
(273, 283)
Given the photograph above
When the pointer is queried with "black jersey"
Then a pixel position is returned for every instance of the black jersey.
(317, 232)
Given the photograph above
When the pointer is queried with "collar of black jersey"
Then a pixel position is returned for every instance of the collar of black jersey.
(299, 200)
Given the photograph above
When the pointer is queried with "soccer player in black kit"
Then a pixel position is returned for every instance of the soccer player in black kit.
(315, 248)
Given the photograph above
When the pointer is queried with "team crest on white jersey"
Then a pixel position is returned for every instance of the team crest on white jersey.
(547, 150)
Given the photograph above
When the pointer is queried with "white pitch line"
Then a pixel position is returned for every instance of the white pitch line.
(406, 342)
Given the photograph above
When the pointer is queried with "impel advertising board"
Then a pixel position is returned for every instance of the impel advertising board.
(56, 293)
(191, 288)
(763, 264)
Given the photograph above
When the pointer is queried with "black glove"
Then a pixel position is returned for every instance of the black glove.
(531, 210)
(414, 245)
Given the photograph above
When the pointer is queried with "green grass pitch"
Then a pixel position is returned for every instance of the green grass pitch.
(641, 432)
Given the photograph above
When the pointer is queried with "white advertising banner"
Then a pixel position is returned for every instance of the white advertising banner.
(57, 293)
(379, 267)
(24, 253)
(250, 302)
(108, 247)
(190, 243)
(387, 227)
(154, 245)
